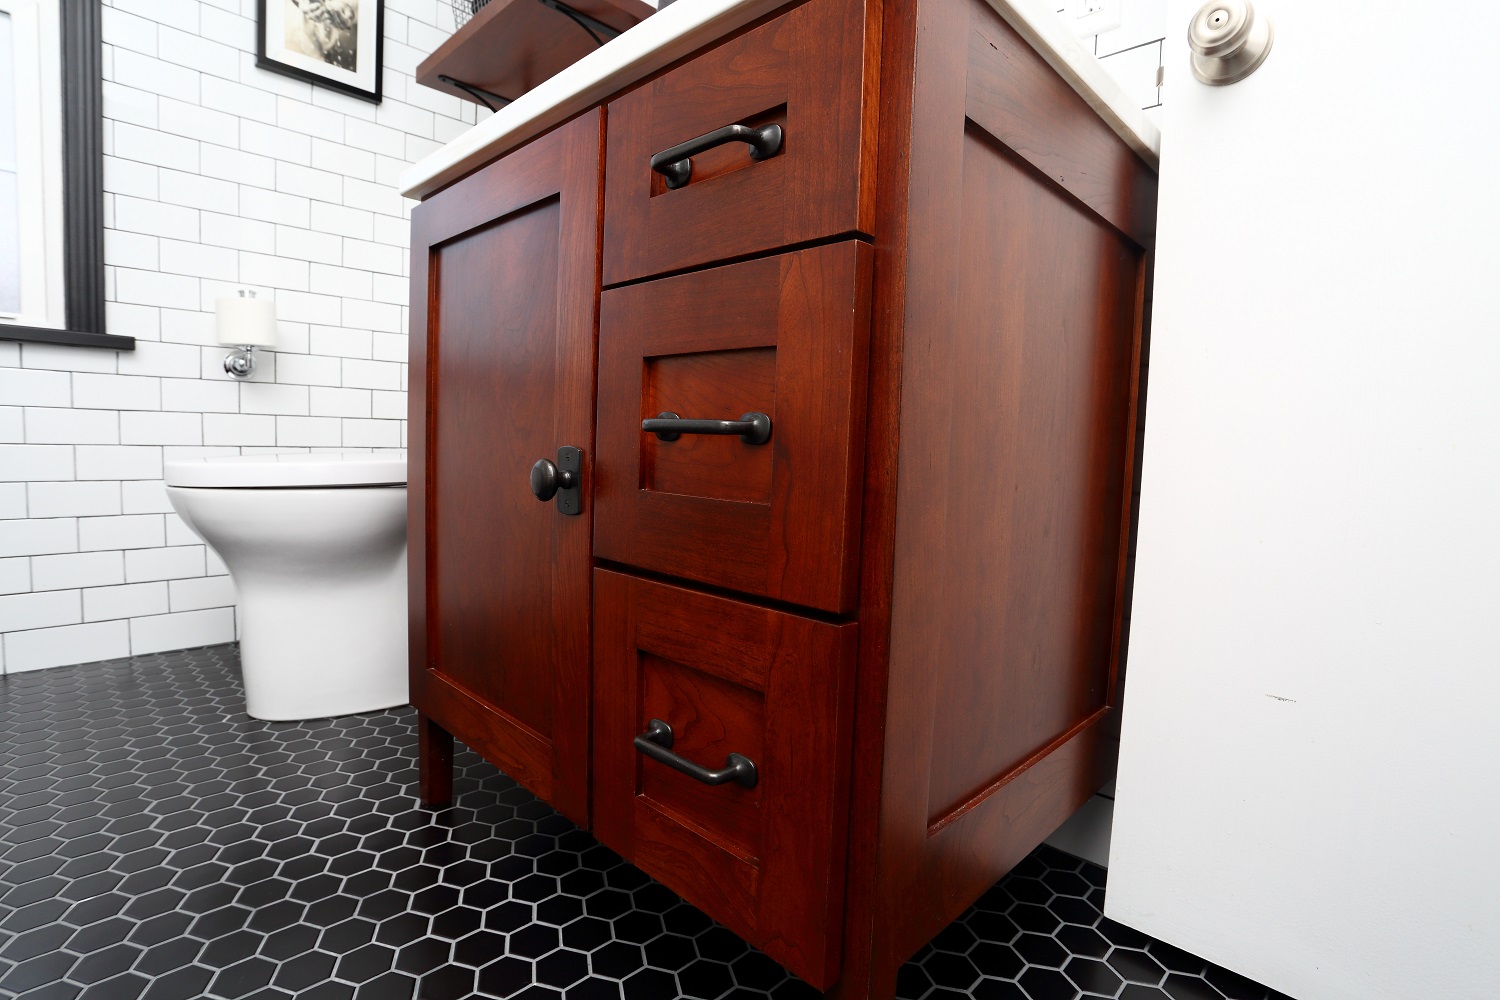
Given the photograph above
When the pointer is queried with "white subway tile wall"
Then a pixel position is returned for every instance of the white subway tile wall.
(217, 175)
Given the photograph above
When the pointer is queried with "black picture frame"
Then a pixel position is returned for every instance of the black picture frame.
(82, 69)
(266, 61)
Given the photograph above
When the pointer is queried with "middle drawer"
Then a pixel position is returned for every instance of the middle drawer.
(751, 379)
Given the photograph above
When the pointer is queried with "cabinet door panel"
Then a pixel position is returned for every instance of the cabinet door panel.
(729, 678)
(505, 278)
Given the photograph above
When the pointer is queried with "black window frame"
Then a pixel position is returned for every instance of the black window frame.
(82, 71)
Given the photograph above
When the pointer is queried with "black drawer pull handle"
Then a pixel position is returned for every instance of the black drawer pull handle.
(753, 428)
(676, 164)
(656, 743)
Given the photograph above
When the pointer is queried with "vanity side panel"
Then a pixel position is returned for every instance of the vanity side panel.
(1030, 225)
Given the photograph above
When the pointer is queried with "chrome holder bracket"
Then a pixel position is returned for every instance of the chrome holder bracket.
(240, 363)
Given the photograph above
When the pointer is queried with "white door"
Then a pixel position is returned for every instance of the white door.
(1309, 787)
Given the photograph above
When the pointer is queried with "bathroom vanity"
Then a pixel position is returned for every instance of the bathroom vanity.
(817, 330)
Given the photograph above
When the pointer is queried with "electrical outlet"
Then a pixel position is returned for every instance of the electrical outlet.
(1093, 17)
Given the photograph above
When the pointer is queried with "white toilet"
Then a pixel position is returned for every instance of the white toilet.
(316, 544)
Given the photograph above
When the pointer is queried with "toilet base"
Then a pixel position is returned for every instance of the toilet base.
(321, 576)
(308, 655)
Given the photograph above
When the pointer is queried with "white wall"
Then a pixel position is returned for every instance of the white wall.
(1307, 786)
(217, 175)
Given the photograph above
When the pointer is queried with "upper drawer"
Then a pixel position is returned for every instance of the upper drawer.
(804, 72)
(786, 337)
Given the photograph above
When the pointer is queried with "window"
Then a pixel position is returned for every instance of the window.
(51, 175)
(30, 166)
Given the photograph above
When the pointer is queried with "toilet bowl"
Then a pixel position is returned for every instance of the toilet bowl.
(316, 545)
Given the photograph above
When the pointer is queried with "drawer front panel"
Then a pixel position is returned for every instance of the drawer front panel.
(784, 336)
(728, 678)
(805, 73)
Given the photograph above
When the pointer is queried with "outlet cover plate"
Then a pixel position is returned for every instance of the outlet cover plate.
(1093, 17)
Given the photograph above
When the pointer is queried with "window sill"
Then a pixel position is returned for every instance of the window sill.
(70, 338)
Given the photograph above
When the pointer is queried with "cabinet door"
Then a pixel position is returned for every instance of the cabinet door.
(504, 299)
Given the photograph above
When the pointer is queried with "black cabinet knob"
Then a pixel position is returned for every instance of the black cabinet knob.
(561, 479)
(547, 479)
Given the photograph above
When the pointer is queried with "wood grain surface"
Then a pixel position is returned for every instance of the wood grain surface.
(1017, 437)
(768, 862)
(811, 71)
(784, 335)
(505, 287)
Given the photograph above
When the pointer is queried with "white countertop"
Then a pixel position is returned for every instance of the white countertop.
(689, 25)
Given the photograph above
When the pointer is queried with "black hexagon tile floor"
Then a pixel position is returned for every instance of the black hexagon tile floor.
(157, 843)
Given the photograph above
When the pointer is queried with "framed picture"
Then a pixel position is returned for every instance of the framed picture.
(330, 43)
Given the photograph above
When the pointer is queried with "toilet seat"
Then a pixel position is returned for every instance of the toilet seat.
(287, 470)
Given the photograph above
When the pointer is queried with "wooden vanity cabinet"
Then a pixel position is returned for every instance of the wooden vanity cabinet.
(832, 674)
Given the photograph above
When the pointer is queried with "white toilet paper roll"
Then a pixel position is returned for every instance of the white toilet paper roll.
(244, 321)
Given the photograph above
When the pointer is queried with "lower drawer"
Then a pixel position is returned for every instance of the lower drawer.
(758, 704)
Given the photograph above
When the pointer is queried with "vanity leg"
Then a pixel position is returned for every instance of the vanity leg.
(434, 763)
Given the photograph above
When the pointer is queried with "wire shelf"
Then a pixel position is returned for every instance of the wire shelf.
(465, 9)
